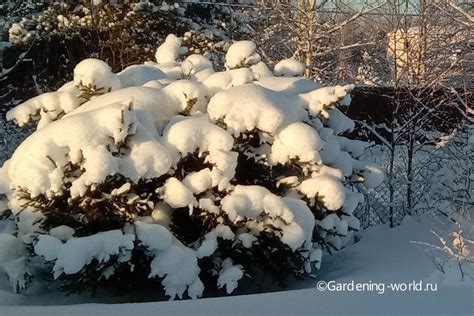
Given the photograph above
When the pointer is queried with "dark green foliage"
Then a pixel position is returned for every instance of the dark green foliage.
(100, 210)
(189, 228)
(128, 278)
(191, 163)
(267, 256)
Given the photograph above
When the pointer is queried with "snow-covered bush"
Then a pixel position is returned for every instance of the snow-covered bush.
(182, 176)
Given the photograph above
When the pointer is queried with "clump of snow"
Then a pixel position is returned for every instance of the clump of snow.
(177, 195)
(339, 122)
(248, 107)
(185, 136)
(252, 201)
(327, 188)
(156, 106)
(138, 75)
(322, 99)
(95, 73)
(289, 67)
(62, 232)
(197, 66)
(227, 79)
(199, 181)
(153, 236)
(300, 232)
(169, 51)
(247, 239)
(178, 267)
(331, 148)
(229, 275)
(260, 71)
(48, 247)
(291, 85)
(39, 164)
(242, 54)
(209, 244)
(76, 253)
(257, 203)
(12, 260)
(297, 140)
(45, 108)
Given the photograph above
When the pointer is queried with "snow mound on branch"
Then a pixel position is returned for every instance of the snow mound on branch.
(297, 140)
(62, 232)
(96, 74)
(260, 71)
(252, 201)
(300, 232)
(331, 149)
(138, 75)
(197, 67)
(188, 134)
(185, 136)
(229, 275)
(289, 67)
(291, 85)
(339, 122)
(48, 107)
(352, 201)
(242, 54)
(153, 236)
(258, 204)
(12, 260)
(176, 194)
(327, 188)
(169, 51)
(76, 253)
(48, 247)
(227, 79)
(156, 106)
(345, 163)
(41, 162)
(209, 244)
(249, 107)
(322, 99)
(178, 267)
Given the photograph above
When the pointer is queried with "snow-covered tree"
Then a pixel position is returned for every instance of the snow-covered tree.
(175, 174)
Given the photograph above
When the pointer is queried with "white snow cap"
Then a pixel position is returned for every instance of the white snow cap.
(327, 188)
(177, 194)
(289, 67)
(322, 99)
(242, 54)
(259, 205)
(178, 267)
(39, 163)
(48, 106)
(97, 74)
(153, 236)
(138, 75)
(12, 260)
(169, 51)
(229, 275)
(248, 107)
(297, 140)
(76, 253)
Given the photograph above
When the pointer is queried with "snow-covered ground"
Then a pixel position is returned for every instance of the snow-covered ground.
(383, 256)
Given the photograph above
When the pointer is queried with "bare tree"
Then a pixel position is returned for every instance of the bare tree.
(307, 29)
